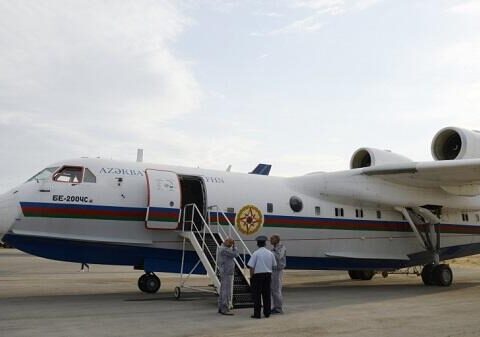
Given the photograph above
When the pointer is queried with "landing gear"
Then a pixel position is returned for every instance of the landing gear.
(443, 275)
(427, 275)
(149, 283)
(439, 275)
(177, 293)
(361, 274)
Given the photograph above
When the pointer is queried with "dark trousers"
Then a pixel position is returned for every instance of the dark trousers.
(261, 290)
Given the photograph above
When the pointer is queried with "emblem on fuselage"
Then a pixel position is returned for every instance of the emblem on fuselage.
(249, 220)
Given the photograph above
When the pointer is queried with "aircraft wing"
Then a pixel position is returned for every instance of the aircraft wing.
(458, 177)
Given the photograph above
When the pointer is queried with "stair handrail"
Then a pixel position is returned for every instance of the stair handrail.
(233, 233)
(202, 231)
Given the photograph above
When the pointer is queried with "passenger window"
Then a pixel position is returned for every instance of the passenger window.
(69, 174)
(359, 213)
(89, 177)
(269, 207)
(339, 211)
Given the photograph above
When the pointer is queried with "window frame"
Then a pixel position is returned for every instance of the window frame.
(69, 182)
(85, 169)
(52, 172)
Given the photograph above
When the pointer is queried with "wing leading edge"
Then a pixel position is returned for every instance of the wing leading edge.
(457, 177)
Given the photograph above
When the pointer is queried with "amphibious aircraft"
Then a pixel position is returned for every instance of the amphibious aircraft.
(383, 214)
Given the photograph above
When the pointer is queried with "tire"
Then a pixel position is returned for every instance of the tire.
(354, 274)
(427, 275)
(141, 282)
(177, 293)
(152, 283)
(366, 275)
(443, 275)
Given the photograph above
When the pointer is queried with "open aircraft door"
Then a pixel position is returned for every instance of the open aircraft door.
(163, 209)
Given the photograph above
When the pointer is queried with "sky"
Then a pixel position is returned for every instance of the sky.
(299, 84)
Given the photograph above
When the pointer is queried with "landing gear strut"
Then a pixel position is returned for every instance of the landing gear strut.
(149, 283)
(423, 219)
(439, 275)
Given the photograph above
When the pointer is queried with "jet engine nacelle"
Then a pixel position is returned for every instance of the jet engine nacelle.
(367, 156)
(456, 143)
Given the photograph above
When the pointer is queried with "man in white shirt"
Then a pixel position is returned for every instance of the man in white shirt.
(261, 264)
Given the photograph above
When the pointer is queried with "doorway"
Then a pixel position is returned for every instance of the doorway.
(193, 192)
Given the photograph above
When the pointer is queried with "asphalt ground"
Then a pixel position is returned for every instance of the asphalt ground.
(40, 297)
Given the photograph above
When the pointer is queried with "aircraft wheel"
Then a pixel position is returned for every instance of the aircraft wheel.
(427, 275)
(149, 283)
(443, 275)
(177, 293)
(141, 282)
(366, 275)
(354, 274)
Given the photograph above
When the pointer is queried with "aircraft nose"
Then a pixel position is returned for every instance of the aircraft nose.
(8, 213)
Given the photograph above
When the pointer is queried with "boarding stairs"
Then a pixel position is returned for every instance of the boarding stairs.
(205, 237)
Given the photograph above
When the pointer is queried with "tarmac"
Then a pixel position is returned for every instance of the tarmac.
(39, 297)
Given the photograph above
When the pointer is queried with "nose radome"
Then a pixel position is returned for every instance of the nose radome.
(8, 212)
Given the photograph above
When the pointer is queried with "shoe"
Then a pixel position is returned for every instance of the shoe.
(257, 317)
(227, 313)
(266, 316)
(276, 311)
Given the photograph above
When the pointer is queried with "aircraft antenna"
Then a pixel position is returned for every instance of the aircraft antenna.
(139, 155)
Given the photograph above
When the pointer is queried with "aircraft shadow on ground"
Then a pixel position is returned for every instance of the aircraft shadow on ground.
(345, 292)
(330, 293)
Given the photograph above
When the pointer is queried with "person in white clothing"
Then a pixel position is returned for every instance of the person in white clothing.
(280, 253)
(226, 255)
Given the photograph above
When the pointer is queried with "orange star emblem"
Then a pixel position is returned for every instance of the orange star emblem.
(249, 220)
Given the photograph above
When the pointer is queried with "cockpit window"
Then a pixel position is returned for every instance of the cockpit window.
(89, 177)
(69, 174)
(43, 174)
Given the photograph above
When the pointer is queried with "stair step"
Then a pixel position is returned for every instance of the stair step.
(242, 299)
(243, 305)
(241, 289)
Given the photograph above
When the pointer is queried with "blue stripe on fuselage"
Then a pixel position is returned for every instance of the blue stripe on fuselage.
(169, 260)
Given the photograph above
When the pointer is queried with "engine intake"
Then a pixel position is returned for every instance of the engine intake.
(452, 143)
(366, 157)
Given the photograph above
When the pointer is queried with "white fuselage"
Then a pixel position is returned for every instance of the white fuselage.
(340, 226)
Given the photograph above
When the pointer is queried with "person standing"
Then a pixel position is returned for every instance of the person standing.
(226, 255)
(261, 264)
(280, 253)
